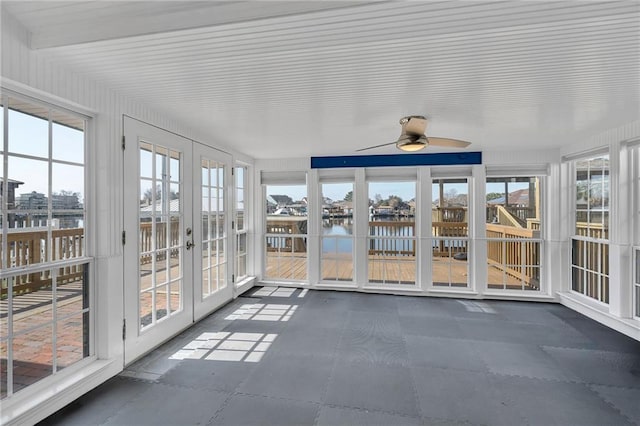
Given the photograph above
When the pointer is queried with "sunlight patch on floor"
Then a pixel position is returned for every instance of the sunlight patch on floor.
(263, 312)
(224, 346)
(274, 292)
(477, 307)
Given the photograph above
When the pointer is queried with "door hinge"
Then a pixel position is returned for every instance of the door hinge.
(233, 224)
(124, 329)
(124, 237)
(232, 171)
(233, 278)
(124, 143)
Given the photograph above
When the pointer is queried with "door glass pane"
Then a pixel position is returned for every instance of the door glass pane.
(392, 236)
(160, 231)
(213, 233)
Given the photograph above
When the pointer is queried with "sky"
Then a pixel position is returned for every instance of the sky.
(29, 135)
(405, 190)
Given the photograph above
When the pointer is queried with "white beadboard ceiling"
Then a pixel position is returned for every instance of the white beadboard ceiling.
(290, 79)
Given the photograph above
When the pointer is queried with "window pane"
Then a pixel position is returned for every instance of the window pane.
(45, 224)
(449, 263)
(28, 129)
(286, 210)
(67, 142)
(32, 357)
(337, 231)
(392, 238)
(590, 259)
(592, 197)
(513, 227)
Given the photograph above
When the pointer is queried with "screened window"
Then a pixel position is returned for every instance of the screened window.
(450, 231)
(513, 227)
(392, 239)
(337, 232)
(44, 274)
(589, 245)
(286, 232)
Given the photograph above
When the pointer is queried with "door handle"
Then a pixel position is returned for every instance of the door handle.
(190, 245)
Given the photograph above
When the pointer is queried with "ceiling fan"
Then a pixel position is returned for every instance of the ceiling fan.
(413, 138)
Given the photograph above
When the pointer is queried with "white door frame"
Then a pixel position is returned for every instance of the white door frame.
(140, 340)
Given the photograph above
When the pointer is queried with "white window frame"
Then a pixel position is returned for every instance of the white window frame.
(542, 181)
(446, 174)
(237, 278)
(387, 175)
(345, 179)
(23, 93)
(586, 239)
(278, 178)
(634, 150)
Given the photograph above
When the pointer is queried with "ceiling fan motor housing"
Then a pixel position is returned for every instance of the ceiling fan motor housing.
(414, 125)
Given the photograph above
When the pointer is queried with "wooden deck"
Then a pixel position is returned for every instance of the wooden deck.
(446, 271)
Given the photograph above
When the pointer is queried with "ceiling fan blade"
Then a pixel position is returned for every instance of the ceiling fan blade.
(375, 146)
(451, 143)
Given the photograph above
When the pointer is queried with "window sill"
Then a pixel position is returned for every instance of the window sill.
(600, 312)
(243, 286)
(50, 395)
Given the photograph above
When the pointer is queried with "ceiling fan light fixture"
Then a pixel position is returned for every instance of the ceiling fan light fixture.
(411, 145)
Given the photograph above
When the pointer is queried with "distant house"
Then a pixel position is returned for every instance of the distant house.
(11, 192)
(12, 185)
(383, 211)
(282, 200)
(519, 198)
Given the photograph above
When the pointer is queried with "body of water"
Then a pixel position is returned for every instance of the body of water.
(336, 235)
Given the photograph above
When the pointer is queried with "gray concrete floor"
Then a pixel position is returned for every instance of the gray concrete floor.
(331, 358)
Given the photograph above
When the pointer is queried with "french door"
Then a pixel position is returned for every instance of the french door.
(211, 230)
(175, 264)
